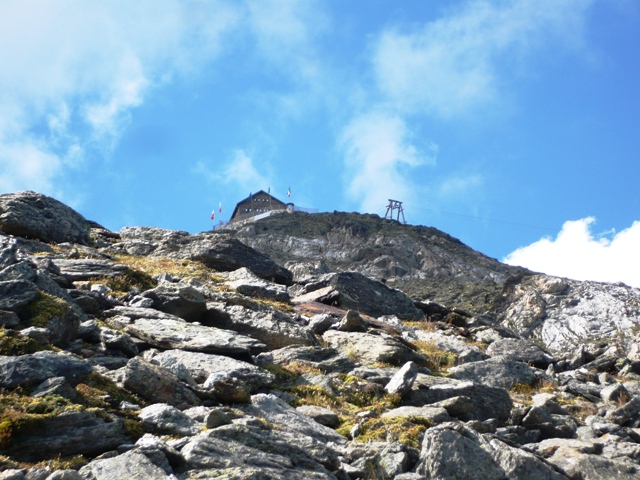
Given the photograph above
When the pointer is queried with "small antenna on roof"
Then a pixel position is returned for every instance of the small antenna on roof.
(395, 205)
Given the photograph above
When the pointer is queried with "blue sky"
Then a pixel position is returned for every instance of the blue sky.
(512, 125)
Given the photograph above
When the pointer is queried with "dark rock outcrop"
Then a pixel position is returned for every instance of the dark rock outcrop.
(357, 292)
(215, 251)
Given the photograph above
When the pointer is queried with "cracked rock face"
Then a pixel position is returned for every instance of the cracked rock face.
(33, 215)
(563, 314)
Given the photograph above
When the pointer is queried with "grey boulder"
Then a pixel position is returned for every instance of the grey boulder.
(521, 351)
(201, 365)
(130, 465)
(166, 419)
(33, 369)
(70, 433)
(496, 372)
(176, 333)
(157, 384)
(33, 215)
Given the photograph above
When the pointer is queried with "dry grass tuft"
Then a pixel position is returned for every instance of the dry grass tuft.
(437, 359)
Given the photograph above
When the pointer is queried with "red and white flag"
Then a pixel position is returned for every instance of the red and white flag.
(213, 215)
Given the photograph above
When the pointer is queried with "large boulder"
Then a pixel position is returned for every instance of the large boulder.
(84, 269)
(70, 433)
(486, 402)
(270, 326)
(33, 215)
(452, 451)
(247, 451)
(33, 369)
(496, 372)
(358, 292)
(201, 365)
(244, 281)
(15, 294)
(368, 348)
(521, 351)
(132, 464)
(214, 250)
(157, 384)
(176, 333)
(178, 299)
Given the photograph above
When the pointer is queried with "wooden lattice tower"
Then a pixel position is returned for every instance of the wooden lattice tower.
(395, 205)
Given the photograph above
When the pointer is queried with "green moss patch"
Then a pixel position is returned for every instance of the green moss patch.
(100, 392)
(406, 430)
(42, 309)
(130, 279)
(21, 414)
(437, 359)
(12, 344)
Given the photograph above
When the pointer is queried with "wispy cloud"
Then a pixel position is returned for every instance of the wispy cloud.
(239, 171)
(451, 65)
(288, 38)
(580, 254)
(72, 72)
(379, 155)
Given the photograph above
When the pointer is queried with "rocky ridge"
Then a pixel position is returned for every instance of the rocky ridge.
(159, 354)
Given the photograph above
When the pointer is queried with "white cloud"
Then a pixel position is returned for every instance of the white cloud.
(577, 253)
(72, 71)
(240, 171)
(452, 64)
(379, 159)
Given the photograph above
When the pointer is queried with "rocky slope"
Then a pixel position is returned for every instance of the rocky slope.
(157, 354)
(430, 265)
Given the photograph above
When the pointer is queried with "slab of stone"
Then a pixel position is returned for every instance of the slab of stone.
(593, 467)
(179, 334)
(247, 451)
(85, 269)
(403, 380)
(33, 369)
(277, 412)
(202, 365)
(132, 464)
(9, 319)
(179, 299)
(456, 453)
(15, 294)
(368, 348)
(319, 324)
(625, 413)
(70, 433)
(496, 372)
(488, 402)
(352, 322)
(272, 327)
(163, 418)
(244, 281)
(365, 295)
(521, 351)
(434, 414)
(157, 384)
(324, 359)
